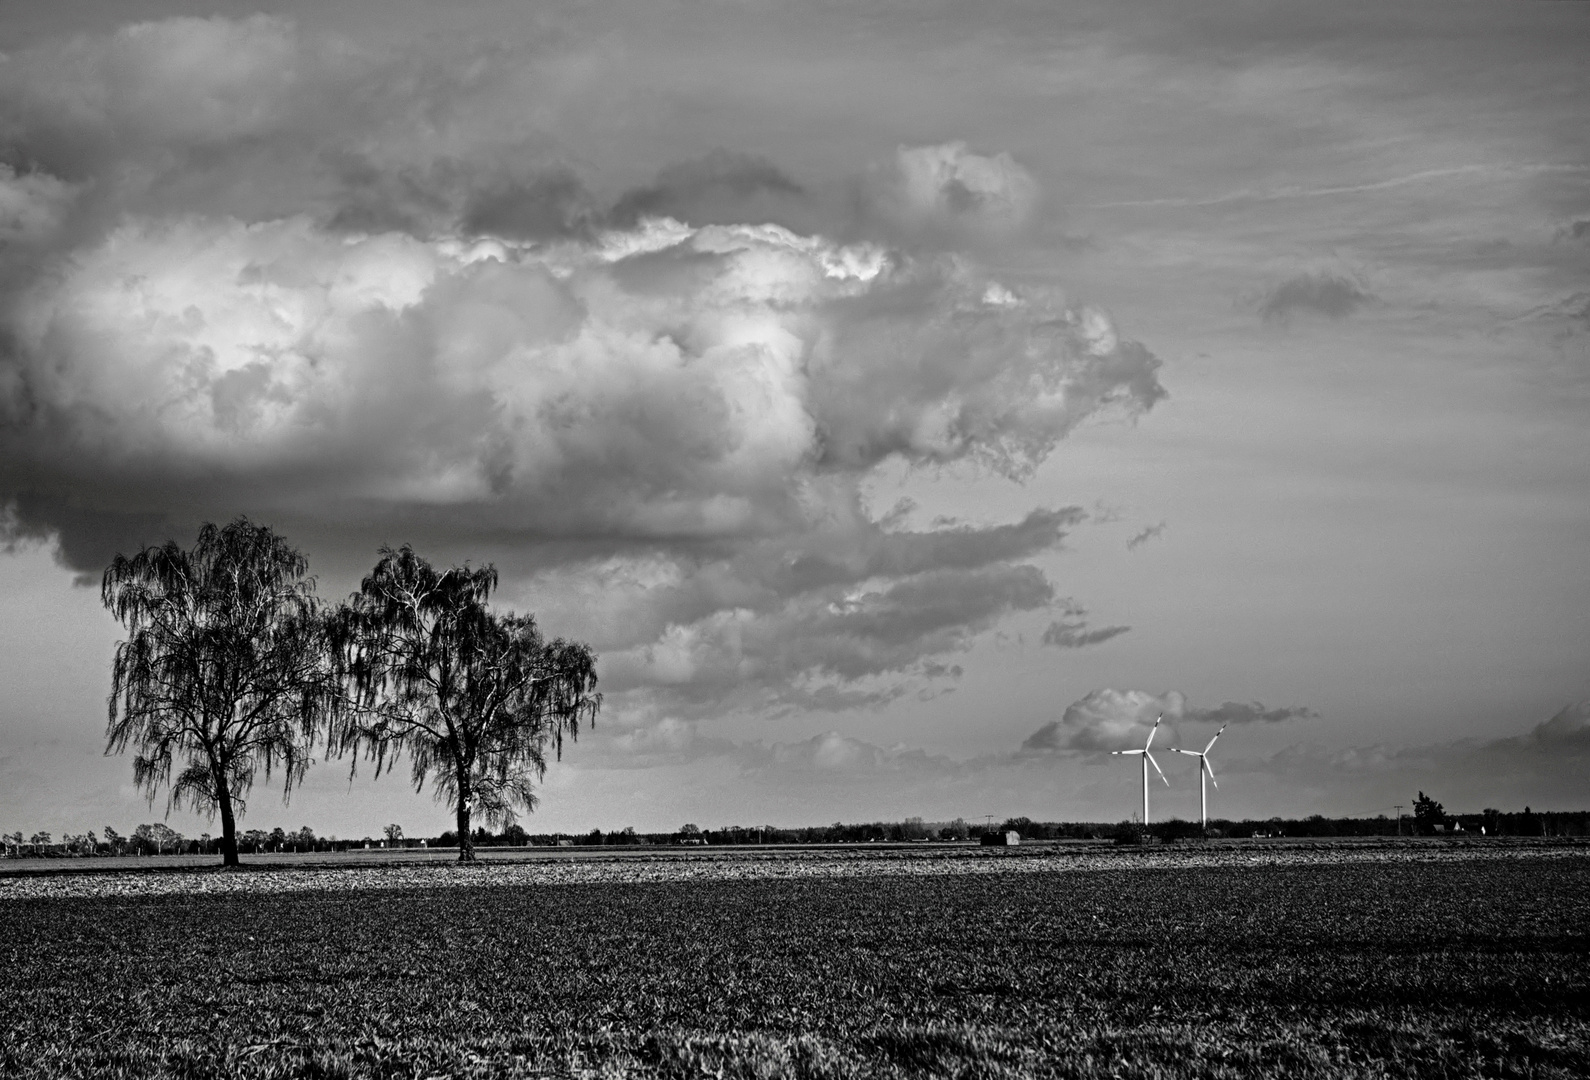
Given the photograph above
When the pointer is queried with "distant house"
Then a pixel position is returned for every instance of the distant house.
(1008, 838)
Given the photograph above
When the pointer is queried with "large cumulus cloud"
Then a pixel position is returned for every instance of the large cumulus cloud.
(664, 381)
(221, 294)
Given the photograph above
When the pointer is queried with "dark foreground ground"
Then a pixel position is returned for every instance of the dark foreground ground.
(1393, 968)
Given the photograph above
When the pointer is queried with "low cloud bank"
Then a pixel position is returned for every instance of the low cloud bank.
(1063, 768)
(1543, 768)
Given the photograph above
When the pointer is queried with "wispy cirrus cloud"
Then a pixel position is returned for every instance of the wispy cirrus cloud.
(1479, 171)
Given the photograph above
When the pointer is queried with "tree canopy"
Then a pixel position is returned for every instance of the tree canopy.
(1428, 813)
(473, 698)
(224, 671)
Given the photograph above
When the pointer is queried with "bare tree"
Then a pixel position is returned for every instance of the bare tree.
(393, 833)
(472, 698)
(224, 671)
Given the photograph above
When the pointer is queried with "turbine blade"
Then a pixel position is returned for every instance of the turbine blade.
(1157, 769)
(1129, 753)
(1189, 753)
(1152, 731)
(1217, 735)
(1210, 769)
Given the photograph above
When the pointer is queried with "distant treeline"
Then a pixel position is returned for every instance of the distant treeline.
(1493, 822)
(160, 839)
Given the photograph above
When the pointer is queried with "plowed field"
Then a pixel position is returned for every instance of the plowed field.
(1383, 966)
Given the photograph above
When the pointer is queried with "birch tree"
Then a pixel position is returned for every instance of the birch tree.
(473, 699)
(225, 671)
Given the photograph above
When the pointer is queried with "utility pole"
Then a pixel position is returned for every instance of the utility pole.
(1398, 808)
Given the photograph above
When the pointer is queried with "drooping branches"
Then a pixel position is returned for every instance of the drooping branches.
(225, 670)
(471, 697)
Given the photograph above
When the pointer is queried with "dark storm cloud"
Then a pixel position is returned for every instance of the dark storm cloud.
(88, 537)
(1330, 295)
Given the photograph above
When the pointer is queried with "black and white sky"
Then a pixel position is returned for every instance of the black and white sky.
(908, 401)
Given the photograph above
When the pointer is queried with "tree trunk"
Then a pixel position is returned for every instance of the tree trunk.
(223, 799)
(466, 846)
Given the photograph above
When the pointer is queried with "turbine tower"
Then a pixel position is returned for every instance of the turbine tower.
(1204, 771)
(1148, 759)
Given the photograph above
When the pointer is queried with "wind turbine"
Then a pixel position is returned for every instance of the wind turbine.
(1204, 770)
(1147, 760)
